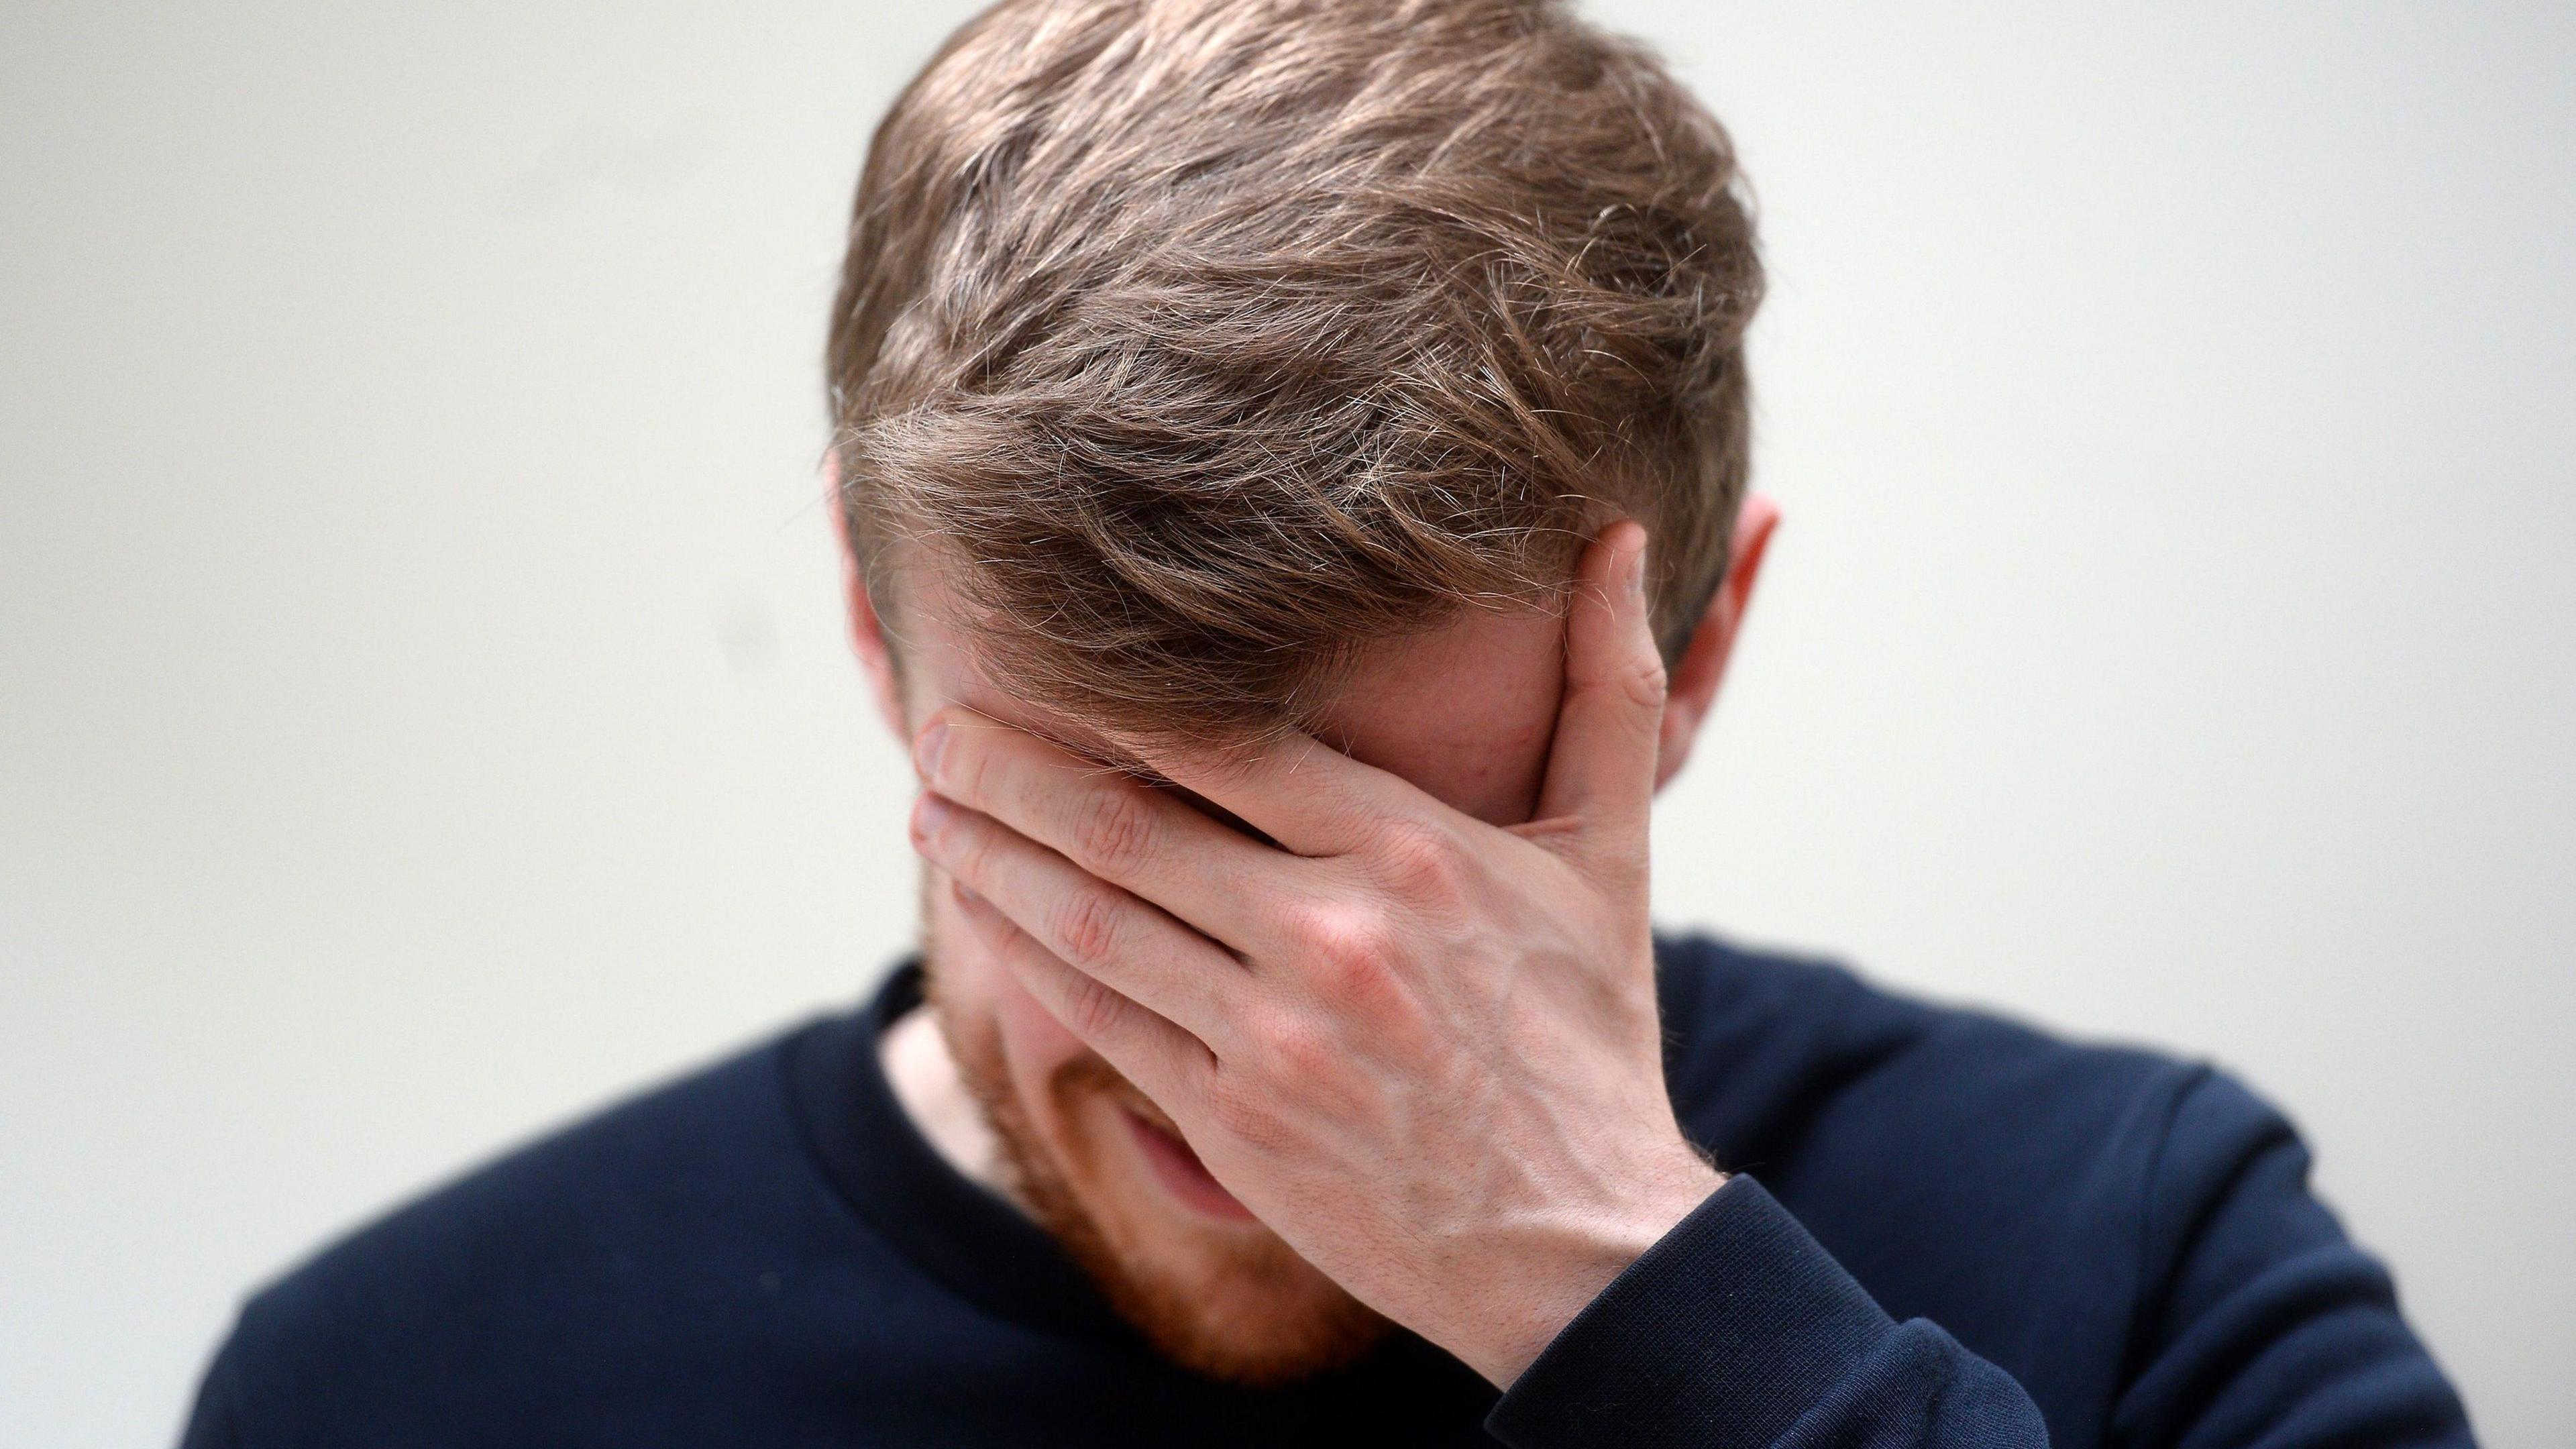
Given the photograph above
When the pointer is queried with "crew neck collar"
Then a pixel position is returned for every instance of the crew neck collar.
(984, 1250)
(958, 1231)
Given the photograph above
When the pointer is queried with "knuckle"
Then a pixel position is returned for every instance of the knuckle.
(1421, 864)
(1112, 832)
(1084, 926)
(1349, 952)
(1092, 1010)
(1339, 933)
(1304, 1060)
(1644, 680)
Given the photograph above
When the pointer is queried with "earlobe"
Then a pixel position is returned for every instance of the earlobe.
(1691, 693)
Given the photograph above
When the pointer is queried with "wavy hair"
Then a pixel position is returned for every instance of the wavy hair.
(1201, 342)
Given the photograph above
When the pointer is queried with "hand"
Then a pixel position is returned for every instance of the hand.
(1424, 1050)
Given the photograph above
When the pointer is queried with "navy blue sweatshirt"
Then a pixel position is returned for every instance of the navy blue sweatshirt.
(1943, 1230)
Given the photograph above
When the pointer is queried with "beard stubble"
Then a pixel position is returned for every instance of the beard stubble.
(1245, 1308)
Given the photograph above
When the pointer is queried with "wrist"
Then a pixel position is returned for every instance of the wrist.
(1562, 1270)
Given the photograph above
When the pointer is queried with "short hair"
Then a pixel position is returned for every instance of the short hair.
(1211, 340)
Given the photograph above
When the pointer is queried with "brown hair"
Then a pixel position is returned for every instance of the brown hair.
(1214, 338)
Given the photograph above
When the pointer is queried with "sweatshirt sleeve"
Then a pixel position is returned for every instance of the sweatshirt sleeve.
(1739, 1330)
(2258, 1326)
(2262, 1324)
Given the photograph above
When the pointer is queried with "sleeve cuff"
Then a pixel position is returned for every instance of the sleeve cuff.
(1722, 1334)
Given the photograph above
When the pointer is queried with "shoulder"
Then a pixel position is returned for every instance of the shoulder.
(2130, 1236)
(2030, 1193)
(1779, 1055)
(664, 1209)
(620, 1179)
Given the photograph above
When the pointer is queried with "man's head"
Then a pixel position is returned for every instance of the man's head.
(1203, 367)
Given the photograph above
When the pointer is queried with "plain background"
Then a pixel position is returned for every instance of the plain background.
(424, 710)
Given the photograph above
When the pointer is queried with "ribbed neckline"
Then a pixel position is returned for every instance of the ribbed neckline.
(956, 1230)
(984, 1250)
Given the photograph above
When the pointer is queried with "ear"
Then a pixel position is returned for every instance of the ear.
(1691, 688)
(867, 631)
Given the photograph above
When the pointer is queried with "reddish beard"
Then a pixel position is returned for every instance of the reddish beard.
(1232, 1302)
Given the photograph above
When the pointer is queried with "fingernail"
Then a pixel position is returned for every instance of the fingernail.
(929, 815)
(927, 749)
(1637, 570)
(965, 893)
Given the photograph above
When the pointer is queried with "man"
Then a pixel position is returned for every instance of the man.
(1293, 461)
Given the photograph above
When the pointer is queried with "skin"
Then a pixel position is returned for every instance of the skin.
(1411, 1036)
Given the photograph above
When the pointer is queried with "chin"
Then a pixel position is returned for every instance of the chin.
(1206, 1283)
(1212, 1288)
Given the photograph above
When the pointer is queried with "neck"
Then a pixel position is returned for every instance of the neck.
(927, 1084)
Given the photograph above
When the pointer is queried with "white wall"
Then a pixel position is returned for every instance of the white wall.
(423, 711)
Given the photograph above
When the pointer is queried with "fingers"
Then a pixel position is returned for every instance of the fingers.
(1601, 767)
(1105, 933)
(1311, 798)
(1165, 1062)
(1108, 823)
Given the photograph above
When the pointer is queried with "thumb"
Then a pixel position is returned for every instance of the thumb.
(1601, 766)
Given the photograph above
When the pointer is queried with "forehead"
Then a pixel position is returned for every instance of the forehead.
(1463, 711)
